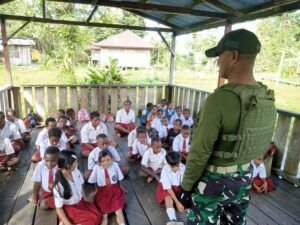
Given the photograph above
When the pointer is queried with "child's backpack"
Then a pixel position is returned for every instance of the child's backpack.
(83, 115)
(30, 121)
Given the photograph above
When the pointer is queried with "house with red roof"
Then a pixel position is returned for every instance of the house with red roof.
(128, 48)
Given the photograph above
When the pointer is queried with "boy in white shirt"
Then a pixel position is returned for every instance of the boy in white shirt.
(125, 120)
(153, 161)
(141, 144)
(181, 142)
(7, 156)
(187, 119)
(177, 115)
(168, 188)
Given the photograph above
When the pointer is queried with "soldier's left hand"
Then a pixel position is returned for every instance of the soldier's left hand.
(185, 198)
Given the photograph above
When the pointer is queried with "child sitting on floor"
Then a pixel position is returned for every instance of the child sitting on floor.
(71, 115)
(177, 115)
(43, 178)
(131, 138)
(181, 142)
(109, 196)
(153, 161)
(7, 154)
(152, 116)
(145, 113)
(140, 144)
(169, 111)
(125, 120)
(173, 132)
(68, 130)
(69, 197)
(162, 105)
(187, 119)
(170, 181)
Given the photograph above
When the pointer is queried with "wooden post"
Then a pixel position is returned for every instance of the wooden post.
(172, 59)
(6, 52)
(221, 80)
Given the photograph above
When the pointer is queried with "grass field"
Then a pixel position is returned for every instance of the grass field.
(287, 96)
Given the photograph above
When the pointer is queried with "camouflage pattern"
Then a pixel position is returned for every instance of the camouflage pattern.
(221, 199)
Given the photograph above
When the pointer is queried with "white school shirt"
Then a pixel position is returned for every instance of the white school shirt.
(43, 135)
(155, 161)
(139, 148)
(98, 175)
(123, 117)
(10, 131)
(62, 144)
(168, 178)
(131, 137)
(175, 117)
(259, 170)
(41, 174)
(76, 190)
(94, 156)
(6, 147)
(188, 122)
(89, 133)
(160, 128)
(20, 125)
(178, 143)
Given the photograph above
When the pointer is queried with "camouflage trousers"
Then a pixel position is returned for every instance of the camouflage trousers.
(221, 199)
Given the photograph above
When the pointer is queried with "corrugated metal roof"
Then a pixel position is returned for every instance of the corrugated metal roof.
(20, 41)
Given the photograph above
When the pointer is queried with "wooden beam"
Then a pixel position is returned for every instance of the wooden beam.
(5, 1)
(20, 28)
(225, 7)
(152, 7)
(82, 23)
(166, 43)
(172, 60)
(92, 14)
(44, 8)
(6, 59)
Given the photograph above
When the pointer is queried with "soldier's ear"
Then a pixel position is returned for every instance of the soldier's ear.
(235, 56)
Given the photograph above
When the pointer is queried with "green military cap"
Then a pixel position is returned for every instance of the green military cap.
(244, 41)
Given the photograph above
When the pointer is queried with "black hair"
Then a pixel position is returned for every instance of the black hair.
(94, 114)
(160, 110)
(141, 131)
(52, 150)
(164, 117)
(186, 110)
(70, 110)
(178, 107)
(155, 139)
(62, 117)
(127, 100)
(153, 106)
(65, 159)
(173, 158)
(12, 111)
(149, 105)
(101, 136)
(185, 127)
(179, 121)
(2, 114)
(49, 120)
(55, 132)
(103, 154)
(163, 100)
(170, 102)
(62, 111)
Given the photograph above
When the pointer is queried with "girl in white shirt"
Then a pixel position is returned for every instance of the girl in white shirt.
(140, 144)
(181, 142)
(69, 197)
(125, 120)
(109, 197)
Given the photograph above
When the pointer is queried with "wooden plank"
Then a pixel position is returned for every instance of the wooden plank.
(63, 98)
(40, 101)
(293, 155)
(45, 217)
(257, 215)
(114, 100)
(94, 99)
(166, 93)
(196, 103)
(74, 98)
(150, 95)
(185, 98)
(174, 94)
(52, 110)
(123, 96)
(5, 99)
(28, 99)
(191, 101)
(141, 97)
(280, 139)
(159, 94)
(16, 93)
(2, 102)
(84, 98)
(133, 98)
(249, 221)
(181, 97)
(202, 99)
(103, 96)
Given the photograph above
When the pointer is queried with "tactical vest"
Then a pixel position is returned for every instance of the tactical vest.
(256, 123)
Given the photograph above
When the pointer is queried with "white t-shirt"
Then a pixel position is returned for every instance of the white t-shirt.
(76, 190)
(62, 144)
(41, 174)
(20, 125)
(98, 175)
(259, 171)
(160, 128)
(6, 147)
(94, 156)
(178, 143)
(139, 148)
(10, 131)
(155, 161)
(131, 137)
(89, 133)
(43, 135)
(168, 178)
(188, 122)
(175, 117)
(123, 117)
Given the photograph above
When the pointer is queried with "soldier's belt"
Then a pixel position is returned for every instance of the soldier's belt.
(227, 169)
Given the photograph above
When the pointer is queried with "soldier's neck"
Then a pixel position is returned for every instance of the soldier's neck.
(242, 75)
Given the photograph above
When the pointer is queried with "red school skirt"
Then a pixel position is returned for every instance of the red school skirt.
(49, 197)
(127, 126)
(83, 213)
(3, 157)
(109, 198)
(161, 194)
(85, 147)
(17, 145)
(259, 182)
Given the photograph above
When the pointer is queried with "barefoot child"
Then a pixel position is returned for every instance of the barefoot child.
(153, 161)
(43, 178)
(141, 144)
(187, 119)
(109, 197)
(181, 142)
(69, 197)
(7, 154)
(125, 120)
(170, 181)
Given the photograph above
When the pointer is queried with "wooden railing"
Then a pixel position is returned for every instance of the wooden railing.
(6, 98)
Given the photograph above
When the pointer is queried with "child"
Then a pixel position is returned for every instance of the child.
(69, 198)
(11, 117)
(261, 183)
(177, 115)
(140, 144)
(160, 114)
(170, 181)
(187, 119)
(67, 130)
(152, 116)
(54, 139)
(162, 105)
(161, 127)
(72, 118)
(181, 142)
(169, 111)
(131, 138)
(125, 120)
(145, 113)
(173, 132)
(43, 178)
(7, 156)
(109, 197)
(89, 133)
(153, 161)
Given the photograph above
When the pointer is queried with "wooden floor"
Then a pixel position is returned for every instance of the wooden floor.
(279, 207)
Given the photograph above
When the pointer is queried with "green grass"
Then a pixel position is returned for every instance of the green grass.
(287, 96)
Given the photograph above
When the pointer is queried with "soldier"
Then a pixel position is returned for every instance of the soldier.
(235, 125)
